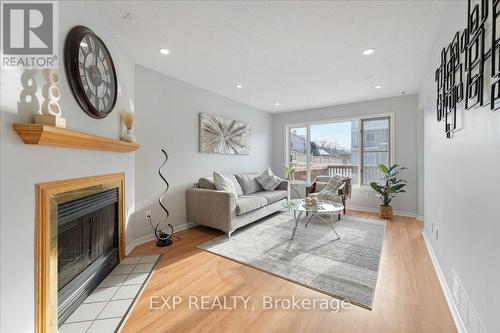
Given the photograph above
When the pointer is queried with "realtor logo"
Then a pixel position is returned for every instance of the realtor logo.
(29, 34)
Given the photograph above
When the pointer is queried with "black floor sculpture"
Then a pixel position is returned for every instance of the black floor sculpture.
(164, 238)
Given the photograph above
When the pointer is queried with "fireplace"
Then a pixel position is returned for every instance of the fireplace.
(79, 241)
(87, 247)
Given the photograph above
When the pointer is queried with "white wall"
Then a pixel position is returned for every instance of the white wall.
(420, 163)
(168, 117)
(462, 188)
(23, 166)
(405, 142)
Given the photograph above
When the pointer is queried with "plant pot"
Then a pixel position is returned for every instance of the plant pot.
(386, 212)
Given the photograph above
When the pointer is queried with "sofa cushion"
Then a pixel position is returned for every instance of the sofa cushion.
(271, 196)
(249, 183)
(268, 180)
(246, 204)
(208, 183)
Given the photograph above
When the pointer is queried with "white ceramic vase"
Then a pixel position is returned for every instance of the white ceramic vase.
(128, 136)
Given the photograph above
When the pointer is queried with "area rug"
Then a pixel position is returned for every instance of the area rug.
(346, 268)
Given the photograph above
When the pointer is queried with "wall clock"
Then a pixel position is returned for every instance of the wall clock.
(90, 71)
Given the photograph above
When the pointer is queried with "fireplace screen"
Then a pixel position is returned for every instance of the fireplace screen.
(87, 246)
(83, 240)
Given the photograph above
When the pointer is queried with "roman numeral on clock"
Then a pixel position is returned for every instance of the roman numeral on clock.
(83, 80)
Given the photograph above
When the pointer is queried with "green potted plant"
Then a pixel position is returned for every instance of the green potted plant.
(388, 187)
(289, 170)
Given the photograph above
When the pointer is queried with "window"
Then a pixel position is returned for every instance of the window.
(297, 151)
(376, 147)
(370, 137)
(351, 148)
(331, 149)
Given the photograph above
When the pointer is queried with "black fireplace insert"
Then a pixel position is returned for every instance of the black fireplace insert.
(87, 247)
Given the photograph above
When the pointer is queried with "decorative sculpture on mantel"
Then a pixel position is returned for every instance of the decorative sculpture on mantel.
(164, 238)
(50, 112)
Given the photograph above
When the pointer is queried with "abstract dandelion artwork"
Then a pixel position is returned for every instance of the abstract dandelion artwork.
(221, 135)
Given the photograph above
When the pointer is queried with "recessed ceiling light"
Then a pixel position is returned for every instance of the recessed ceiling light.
(378, 87)
(239, 86)
(164, 51)
(368, 51)
(277, 103)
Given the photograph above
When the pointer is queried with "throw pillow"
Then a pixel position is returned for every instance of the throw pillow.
(330, 191)
(224, 184)
(239, 190)
(209, 184)
(268, 180)
(249, 183)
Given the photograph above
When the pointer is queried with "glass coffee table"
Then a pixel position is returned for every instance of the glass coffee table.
(323, 207)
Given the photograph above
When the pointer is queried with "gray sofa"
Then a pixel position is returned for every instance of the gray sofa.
(224, 211)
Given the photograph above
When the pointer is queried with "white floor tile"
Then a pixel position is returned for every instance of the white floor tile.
(79, 327)
(113, 280)
(86, 312)
(101, 294)
(126, 292)
(122, 269)
(115, 309)
(135, 279)
(130, 260)
(143, 268)
(149, 259)
(104, 325)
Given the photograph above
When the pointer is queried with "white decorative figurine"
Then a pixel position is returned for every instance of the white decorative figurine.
(50, 112)
(28, 100)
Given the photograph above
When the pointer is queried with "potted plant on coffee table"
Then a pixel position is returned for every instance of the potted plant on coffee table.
(388, 187)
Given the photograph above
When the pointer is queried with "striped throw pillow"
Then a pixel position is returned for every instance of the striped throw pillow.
(330, 191)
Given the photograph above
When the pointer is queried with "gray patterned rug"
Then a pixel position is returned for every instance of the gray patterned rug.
(346, 268)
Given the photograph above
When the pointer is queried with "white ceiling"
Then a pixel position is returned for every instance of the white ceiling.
(301, 54)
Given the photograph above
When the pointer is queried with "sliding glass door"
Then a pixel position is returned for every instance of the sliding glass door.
(298, 151)
(350, 148)
(334, 149)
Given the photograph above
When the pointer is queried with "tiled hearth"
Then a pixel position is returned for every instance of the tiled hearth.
(107, 306)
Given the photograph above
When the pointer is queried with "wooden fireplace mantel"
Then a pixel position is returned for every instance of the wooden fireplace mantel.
(48, 196)
(37, 134)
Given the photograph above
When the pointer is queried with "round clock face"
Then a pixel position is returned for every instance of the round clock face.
(91, 72)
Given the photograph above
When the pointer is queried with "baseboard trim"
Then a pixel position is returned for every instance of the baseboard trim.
(420, 218)
(138, 241)
(148, 238)
(376, 210)
(444, 285)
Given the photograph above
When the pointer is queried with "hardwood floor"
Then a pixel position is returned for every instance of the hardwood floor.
(408, 296)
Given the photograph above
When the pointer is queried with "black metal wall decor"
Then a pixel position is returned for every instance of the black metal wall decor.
(495, 56)
(468, 53)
